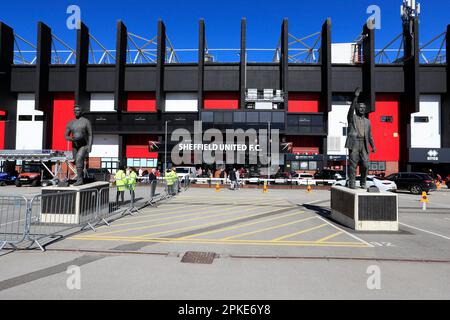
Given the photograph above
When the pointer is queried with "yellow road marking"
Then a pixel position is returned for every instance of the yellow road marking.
(235, 242)
(173, 222)
(330, 236)
(266, 229)
(202, 225)
(299, 232)
(240, 225)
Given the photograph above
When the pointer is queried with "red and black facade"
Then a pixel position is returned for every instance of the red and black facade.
(140, 90)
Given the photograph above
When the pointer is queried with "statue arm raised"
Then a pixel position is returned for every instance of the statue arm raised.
(351, 111)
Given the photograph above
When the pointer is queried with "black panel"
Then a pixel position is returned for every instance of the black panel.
(100, 78)
(23, 78)
(369, 67)
(62, 79)
(343, 202)
(346, 78)
(180, 78)
(263, 77)
(432, 79)
(377, 208)
(243, 64)
(305, 78)
(119, 72)
(389, 79)
(81, 95)
(221, 78)
(140, 78)
(201, 63)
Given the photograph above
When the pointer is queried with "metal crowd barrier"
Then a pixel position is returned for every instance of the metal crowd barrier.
(13, 220)
(49, 217)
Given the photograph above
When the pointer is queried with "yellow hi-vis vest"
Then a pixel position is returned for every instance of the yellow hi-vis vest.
(120, 178)
(132, 180)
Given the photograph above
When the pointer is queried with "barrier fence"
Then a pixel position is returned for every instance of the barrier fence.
(51, 216)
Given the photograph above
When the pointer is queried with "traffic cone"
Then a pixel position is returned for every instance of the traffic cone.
(308, 189)
(217, 187)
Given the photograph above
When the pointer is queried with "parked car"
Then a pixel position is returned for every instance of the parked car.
(7, 178)
(30, 174)
(303, 179)
(382, 184)
(414, 182)
(182, 172)
(327, 176)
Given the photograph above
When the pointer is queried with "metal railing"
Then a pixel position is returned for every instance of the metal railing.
(48, 217)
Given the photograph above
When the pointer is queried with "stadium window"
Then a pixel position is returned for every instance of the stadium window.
(25, 118)
(387, 119)
(421, 119)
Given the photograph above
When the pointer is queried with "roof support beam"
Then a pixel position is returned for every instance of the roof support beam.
(8, 102)
(160, 61)
(81, 95)
(243, 63)
(284, 62)
(121, 58)
(369, 67)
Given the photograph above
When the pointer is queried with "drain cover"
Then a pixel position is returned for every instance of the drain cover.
(198, 257)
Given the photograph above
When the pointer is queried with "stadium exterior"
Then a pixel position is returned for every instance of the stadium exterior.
(130, 104)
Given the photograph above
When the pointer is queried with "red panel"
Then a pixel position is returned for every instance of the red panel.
(140, 152)
(141, 102)
(221, 100)
(2, 129)
(386, 134)
(303, 102)
(62, 114)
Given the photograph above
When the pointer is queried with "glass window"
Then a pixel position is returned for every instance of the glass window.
(207, 116)
(304, 165)
(421, 119)
(292, 121)
(295, 165)
(218, 117)
(387, 119)
(25, 118)
(252, 117)
(228, 117)
(39, 118)
(312, 165)
(278, 117)
(239, 116)
(130, 162)
(143, 162)
(265, 117)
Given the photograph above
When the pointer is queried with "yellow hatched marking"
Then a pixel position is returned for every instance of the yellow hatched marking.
(299, 232)
(233, 242)
(267, 229)
(240, 225)
(330, 236)
(201, 225)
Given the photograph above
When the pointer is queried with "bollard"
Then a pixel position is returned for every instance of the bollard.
(217, 187)
(424, 200)
(265, 187)
(309, 189)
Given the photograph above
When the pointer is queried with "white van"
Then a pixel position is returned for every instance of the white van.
(182, 172)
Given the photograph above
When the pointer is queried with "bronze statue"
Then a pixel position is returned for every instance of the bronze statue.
(79, 131)
(359, 137)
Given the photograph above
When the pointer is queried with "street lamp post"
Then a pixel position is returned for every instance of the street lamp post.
(268, 152)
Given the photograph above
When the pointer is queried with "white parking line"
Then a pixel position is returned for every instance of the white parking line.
(426, 231)
(348, 233)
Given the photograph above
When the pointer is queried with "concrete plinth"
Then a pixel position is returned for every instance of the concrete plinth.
(73, 204)
(364, 211)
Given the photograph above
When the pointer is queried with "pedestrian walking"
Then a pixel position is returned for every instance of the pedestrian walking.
(120, 178)
(232, 177)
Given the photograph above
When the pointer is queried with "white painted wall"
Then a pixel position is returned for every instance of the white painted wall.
(181, 102)
(427, 134)
(105, 146)
(337, 120)
(342, 53)
(29, 134)
(102, 102)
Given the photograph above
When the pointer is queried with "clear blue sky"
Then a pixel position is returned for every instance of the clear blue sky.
(222, 19)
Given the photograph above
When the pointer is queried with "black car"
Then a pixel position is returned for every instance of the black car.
(328, 175)
(414, 182)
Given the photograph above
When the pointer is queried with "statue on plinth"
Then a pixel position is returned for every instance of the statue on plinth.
(79, 131)
(359, 138)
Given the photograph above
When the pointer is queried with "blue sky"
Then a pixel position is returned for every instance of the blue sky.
(222, 19)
